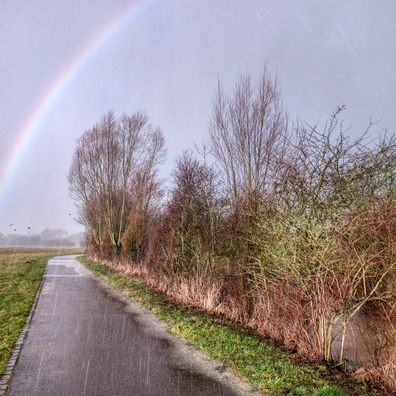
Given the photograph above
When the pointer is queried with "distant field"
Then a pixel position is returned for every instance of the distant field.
(21, 272)
(18, 254)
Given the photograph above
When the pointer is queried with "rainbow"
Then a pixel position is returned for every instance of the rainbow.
(60, 84)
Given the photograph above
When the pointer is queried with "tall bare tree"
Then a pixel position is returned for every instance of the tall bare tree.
(248, 135)
(104, 165)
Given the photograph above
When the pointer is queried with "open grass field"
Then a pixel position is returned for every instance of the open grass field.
(21, 272)
(272, 370)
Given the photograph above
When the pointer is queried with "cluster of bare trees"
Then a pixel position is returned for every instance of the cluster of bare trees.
(113, 179)
(288, 228)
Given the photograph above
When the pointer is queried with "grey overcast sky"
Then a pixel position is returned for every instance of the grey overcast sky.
(65, 63)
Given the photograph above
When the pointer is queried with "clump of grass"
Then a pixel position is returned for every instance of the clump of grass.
(21, 272)
(257, 360)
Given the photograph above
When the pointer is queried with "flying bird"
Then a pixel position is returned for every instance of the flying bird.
(11, 224)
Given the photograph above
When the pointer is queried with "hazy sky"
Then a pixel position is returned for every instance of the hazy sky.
(65, 63)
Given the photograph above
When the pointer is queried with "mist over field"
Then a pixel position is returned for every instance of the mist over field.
(46, 238)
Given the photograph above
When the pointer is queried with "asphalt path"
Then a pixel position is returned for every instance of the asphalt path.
(85, 338)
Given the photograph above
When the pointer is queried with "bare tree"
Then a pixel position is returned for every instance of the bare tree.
(190, 224)
(248, 135)
(328, 173)
(104, 165)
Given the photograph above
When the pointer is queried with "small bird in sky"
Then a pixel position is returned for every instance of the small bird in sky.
(11, 224)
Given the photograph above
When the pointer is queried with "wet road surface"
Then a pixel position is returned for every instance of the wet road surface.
(86, 339)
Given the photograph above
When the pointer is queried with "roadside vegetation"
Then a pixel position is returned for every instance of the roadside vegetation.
(21, 272)
(277, 225)
(271, 369)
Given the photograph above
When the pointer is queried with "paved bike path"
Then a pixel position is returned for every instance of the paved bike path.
(86, 339)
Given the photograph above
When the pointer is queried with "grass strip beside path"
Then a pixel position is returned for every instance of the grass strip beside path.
(21, 272)
(257, 360)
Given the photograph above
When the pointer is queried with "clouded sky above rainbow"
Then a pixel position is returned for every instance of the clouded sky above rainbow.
(64, 64)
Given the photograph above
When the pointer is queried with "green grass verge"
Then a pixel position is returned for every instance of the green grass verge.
(259, 361)
(21, 272)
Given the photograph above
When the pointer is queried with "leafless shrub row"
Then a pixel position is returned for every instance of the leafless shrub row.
(290, 229)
